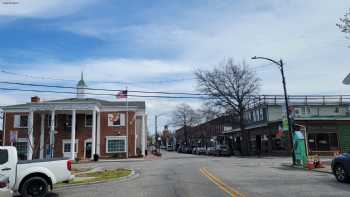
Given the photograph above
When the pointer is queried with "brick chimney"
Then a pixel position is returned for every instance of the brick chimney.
(35, 99)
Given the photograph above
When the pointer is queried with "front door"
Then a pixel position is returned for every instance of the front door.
(88, 146)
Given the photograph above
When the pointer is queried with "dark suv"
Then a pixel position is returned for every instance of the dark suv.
(341, 167)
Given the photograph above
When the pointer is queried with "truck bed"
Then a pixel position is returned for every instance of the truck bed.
(40, 160)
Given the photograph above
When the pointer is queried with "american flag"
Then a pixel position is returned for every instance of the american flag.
(122, 94)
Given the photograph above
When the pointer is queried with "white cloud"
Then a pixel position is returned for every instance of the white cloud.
(39, 8)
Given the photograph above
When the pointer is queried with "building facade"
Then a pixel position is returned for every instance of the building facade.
(325, 122)
(76, 127)
(206, 134)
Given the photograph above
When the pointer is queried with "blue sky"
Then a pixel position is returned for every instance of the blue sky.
(147, 41)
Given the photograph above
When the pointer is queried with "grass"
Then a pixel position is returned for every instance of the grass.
(101, 176)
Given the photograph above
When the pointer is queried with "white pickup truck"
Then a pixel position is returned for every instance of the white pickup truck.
(33, 177)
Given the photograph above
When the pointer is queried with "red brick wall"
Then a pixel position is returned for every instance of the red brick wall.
(117, 131)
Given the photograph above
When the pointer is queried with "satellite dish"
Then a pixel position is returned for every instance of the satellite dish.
(346, 81)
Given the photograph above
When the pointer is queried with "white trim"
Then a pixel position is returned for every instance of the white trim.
(116, 138)
(93, 134)
(85, 142)
(122, 120)
(131, 109)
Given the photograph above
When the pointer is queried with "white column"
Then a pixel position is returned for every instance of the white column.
(98, 137)
(30, 136)
(143, 139)
(52, 133)
(42, 136)
(72, 142)
(93, 137)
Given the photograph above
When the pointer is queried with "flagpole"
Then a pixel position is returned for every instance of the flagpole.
(127, 123)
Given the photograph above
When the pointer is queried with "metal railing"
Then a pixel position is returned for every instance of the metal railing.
(301, 99)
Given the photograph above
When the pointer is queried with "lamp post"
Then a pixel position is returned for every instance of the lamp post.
(156, 128)
(290, 127)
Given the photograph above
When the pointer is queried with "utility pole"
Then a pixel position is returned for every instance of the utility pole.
(290, 125)
(156, 129)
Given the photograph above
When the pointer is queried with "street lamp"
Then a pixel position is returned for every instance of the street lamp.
(156, 127)
(290, 129)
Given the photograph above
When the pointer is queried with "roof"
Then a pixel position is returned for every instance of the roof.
(138, 104)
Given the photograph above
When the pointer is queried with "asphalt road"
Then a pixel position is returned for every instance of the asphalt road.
(182, 175)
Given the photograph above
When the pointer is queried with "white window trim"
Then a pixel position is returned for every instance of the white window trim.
(19, 124)
(116, 138)
(121, 124)
(68, 141)
(88, 126)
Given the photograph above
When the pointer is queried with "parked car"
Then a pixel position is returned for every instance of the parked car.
(170, 148)
(341, 167)
(5, 190)
(210, 150)
(200, 151)
(33, 177)
(222, 150)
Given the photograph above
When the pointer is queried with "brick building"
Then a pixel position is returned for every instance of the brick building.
(76, 127)
(206, 134)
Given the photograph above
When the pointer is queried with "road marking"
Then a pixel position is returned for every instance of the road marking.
(217, 181)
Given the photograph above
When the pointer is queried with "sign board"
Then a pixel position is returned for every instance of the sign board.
(285, 124)
(13, 136)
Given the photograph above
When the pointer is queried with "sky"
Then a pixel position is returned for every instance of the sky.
(157, 45)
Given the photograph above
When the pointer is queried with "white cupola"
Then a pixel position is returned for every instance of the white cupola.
(81, 87)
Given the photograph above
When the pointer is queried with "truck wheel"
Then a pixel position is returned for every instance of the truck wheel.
(340, 174)
(35, 187)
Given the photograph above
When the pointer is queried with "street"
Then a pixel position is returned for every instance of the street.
(191, 175)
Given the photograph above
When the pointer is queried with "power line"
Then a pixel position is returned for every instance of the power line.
(102, 94)
(103, 89)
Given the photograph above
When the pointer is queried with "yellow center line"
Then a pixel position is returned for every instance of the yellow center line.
(217, 181)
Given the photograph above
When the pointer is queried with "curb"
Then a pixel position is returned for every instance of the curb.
(304, 169)
(134, 174)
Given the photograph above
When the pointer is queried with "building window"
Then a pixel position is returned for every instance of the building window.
(22, 147)
(116, 144)
(88, 120)
(21, 121)
(67, 146)
(116, 119)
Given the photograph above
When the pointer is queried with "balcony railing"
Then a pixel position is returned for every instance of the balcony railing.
(301, 99)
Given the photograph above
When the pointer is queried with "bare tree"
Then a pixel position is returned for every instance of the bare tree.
(185, 116)
(344, 24)
(231, 87)
(208, 111)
